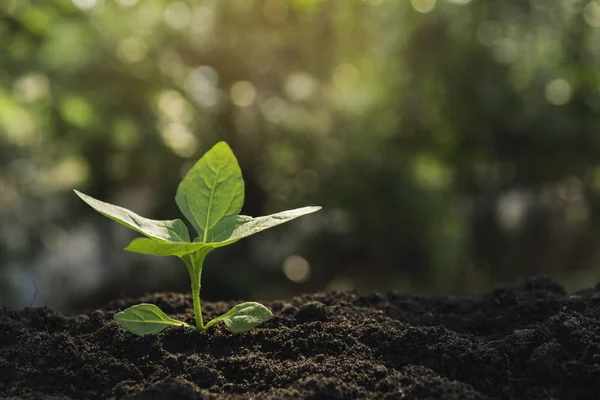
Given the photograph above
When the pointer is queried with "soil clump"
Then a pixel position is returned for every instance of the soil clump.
(531, 342)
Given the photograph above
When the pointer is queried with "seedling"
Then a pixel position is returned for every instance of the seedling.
(210, 197)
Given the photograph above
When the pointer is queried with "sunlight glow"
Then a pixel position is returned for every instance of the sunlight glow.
(558, 92)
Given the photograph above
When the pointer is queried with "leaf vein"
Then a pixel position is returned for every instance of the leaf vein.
(210, 201)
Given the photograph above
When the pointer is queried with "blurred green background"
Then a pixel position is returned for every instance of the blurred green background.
(453, 144)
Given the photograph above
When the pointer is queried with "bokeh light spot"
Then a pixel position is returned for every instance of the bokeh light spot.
(125, 134)
(177, 15)
(558, 92)
(242, 94)
(489, 33)
(127, 3)
(84, 4)
(296, 269)
(202, 86)
(300, 86)
(179, 139)
(170, 64)
(17, 124)
(173, 106)
(346, 76)
(591, 14)
(77, 111)
(341, 284)
(506, 51)
(274, 109)
(431, 173)
(423, 6)
(69, 172)
(132, 50)
(31, 88)
(511, 209)
(203, 20)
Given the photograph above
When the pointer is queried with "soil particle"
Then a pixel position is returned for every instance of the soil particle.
(545, 357)
(312, 311)
(532, 342)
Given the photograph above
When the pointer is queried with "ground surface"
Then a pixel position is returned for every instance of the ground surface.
(532, 342)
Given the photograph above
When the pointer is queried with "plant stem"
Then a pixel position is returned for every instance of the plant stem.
(197, 306)
(194, 263)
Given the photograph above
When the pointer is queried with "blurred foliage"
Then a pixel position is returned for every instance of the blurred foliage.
(453, 143)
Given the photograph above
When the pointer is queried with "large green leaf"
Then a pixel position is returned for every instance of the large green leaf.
(222, 230)
(247, 226)
(212, 191)
(170, 231)
(243, 317)
(144, 319)
(149, 246)
(242, 226)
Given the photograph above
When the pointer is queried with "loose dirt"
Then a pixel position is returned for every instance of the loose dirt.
(532, 342)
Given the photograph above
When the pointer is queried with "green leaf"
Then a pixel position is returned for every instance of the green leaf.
(243, 226)
(144, 319)
(243, 317)
(247, 226)
(149, 246)
(212, 191)
(170, 231)
(242, 219)
(222, 230)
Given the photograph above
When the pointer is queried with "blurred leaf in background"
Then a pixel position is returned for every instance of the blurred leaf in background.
(452, 143)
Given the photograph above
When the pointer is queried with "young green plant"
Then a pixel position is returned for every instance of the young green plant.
(210, 197)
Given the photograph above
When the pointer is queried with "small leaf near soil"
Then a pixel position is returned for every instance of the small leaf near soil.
(144, 319)
(243, 317)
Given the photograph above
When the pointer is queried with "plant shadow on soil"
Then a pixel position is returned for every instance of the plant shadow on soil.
(531, 342)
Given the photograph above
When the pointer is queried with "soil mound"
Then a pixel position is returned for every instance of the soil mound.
(532, 342)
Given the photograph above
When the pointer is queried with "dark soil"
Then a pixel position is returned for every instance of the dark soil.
(532, 342)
